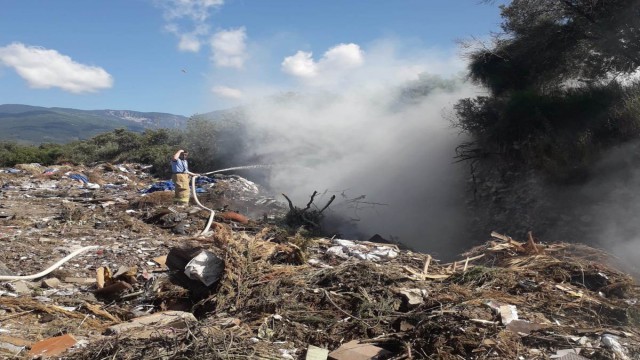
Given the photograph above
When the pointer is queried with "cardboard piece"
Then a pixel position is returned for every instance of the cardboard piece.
(52, 346)
(316, 353)
(176, 319)
(353, 350)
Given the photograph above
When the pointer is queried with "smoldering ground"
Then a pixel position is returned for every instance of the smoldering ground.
(605, 210)
(386, 152)
(379, 137)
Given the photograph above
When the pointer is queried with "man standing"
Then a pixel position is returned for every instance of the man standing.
(180, 176)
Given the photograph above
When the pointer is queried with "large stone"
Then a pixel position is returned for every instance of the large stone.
(21, 287)
(51, 283)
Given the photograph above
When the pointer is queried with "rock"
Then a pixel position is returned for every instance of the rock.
(21, 288)
(50, 283)
(81, 281)
(179, 229)
(413, 297)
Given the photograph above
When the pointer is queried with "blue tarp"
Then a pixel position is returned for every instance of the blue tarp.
(79, 177)
(169, 185)
(200, 180)
(160, 186)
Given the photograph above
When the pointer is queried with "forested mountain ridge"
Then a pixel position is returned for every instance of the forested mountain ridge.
(35, 124)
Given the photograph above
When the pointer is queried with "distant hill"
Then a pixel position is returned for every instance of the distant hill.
(35, 124)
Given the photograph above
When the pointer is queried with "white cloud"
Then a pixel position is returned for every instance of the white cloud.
(382, 63)
(194, 13)
(43, 69)
(339, 58)
(229, 48)
(227, 92)
(301, 64)
(195, 10)
(189, 42)
(343, 56)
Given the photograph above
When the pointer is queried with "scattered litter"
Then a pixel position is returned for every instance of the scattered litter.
(205, 267)
(174, 319)
(276, 291)
(52, 346)
(316, 353)
(354, 350)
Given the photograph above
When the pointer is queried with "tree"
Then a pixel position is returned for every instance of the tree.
(555, 100)
(547, 43)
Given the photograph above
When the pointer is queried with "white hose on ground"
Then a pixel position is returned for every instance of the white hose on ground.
(50, 269)
(195, 197)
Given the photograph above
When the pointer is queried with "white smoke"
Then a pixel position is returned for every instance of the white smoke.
(380, 131)
(608, 206)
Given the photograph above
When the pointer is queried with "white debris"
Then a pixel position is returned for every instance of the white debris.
(612, 343)
(205, 267)
(348, 248)
(508, 313)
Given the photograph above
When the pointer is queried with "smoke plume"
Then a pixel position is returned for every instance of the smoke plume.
(607, 207)
(379, 139)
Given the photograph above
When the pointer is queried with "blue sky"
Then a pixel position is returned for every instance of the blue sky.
(194, 56)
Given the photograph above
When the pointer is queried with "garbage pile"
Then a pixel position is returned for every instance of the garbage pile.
(155, 288)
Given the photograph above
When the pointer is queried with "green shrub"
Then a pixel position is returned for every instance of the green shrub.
(561, 132)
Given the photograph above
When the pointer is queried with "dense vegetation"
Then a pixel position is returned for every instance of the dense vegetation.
(559, 90)
(210, 143)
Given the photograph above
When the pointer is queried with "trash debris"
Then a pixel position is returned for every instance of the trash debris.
(361, 250)
(354, 350)
(567, 354)
(508, 313)
(174, 319)
(52, 346)
(276, 292)
(205, 267)
(316, 353)
(611, 341)
(524, 327)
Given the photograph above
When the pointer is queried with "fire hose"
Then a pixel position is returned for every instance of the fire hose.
(195, 196)
(50, 268)
(86, 248)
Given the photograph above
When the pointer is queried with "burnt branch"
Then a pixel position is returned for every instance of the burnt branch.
(333, 197)
(291, 207)
(310, 201)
